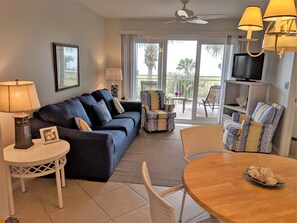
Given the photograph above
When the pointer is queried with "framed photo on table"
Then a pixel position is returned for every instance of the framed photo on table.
(66, 64)
(49, 135)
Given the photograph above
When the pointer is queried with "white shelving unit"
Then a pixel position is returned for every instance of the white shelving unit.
(253, 91)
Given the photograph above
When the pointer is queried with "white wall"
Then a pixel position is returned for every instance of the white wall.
(278, 71)
(27, 30)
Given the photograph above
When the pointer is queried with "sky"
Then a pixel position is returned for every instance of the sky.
(180, 50)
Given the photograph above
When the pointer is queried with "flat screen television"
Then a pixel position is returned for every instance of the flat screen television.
(247, 68)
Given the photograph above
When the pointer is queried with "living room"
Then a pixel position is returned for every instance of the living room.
(28, 29)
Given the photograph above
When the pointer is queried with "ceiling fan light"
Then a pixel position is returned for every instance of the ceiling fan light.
(284, 9)
(251, 19)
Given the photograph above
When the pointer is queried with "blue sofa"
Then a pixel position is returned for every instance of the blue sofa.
(93, 154)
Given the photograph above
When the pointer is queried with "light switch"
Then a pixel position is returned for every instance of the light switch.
(287, 85)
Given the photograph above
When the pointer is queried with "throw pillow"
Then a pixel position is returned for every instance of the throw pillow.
(263, 113)
(81, 124)
(102, 112)
(118, 105)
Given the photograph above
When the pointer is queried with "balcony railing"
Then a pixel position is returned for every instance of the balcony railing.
(183, 84)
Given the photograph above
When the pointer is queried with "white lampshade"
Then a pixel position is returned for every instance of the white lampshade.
(18, 96)
(287, 42)
(251, 19)
(284, 9)
(114, 74)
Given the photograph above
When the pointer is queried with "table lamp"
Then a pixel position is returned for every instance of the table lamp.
(114, 74)
(19, 97)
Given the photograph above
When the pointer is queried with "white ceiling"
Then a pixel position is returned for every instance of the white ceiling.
(150, 9)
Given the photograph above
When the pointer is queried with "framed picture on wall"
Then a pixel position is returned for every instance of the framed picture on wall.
(66, 64)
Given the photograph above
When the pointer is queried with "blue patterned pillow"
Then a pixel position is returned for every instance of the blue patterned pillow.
(264, 113)
(102, 112)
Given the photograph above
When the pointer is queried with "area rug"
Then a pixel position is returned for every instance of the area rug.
(164, 156)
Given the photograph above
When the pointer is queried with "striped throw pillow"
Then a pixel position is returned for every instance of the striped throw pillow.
(264, 113)
(81, 124)
(118, 105)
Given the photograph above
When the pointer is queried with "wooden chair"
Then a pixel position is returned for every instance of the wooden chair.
(212, 99)
(199, 140)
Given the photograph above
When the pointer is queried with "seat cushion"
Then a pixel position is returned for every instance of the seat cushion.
(160, 114)
(264, 113)
(124, 124)
(102, 112)
(135, 116)
(63, 113)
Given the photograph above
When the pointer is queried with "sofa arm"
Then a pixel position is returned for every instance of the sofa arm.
(131, 106)
(91, 152)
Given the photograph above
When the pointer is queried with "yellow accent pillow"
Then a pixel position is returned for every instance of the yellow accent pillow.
(81, 124)
(118, 105)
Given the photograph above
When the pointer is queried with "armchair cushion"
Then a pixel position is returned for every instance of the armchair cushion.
(155, 100)
(159, 114)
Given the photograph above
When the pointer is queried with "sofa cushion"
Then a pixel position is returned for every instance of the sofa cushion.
(118, 106)
(135, 116)
(124, 124)
(106, 96)
(263, 113)
(160, 114)
(102, 112)
(81, 124)
(63, 113)
(87, 100)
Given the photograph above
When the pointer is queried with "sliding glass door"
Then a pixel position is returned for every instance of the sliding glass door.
(188, 70)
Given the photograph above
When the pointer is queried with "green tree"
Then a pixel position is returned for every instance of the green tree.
(150, 58)
(187, 65)
(216, 51)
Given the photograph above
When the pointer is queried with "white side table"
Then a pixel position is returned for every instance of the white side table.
(38, 160)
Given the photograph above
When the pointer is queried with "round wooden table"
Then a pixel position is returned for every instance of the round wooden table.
(217, 183)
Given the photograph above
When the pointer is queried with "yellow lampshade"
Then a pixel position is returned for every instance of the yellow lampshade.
(114, 74)
(251, 19)
(287, 42)
(284, 9)
(18, 96)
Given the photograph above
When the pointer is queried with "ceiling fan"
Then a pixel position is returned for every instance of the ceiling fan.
(185, 15)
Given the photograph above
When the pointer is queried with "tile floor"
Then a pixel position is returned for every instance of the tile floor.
(86, 201)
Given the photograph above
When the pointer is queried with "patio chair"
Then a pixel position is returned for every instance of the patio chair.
(212, 99)
(156, 115)
(198, 141)
(254, 133)
(149, 85)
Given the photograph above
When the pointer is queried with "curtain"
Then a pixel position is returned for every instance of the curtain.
(128, 52)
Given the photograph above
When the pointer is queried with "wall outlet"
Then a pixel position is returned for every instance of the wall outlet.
(287, 84)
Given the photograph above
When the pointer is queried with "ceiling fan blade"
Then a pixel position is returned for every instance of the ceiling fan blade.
(198, 21)
(211, 16)
(170, 21)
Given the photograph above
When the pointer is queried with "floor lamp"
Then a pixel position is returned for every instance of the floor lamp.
(114, 74)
